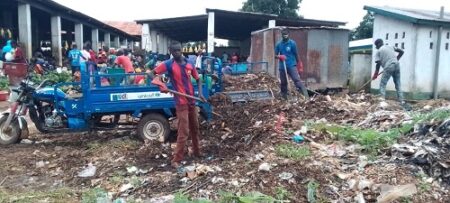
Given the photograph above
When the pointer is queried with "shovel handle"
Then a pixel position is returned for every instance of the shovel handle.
(362, 87)
(185, 95)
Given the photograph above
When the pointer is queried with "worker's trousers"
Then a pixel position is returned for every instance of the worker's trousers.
(393, 70)
(187, 128)
(293, 73)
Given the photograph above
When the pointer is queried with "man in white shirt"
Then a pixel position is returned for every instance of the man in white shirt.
(198, 61)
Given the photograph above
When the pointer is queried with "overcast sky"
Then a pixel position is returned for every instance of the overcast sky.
(350, 11)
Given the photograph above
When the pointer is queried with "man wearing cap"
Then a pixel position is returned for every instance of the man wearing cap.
(286, 53)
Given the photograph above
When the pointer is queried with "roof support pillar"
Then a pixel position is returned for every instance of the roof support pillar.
(95, 40)
(55, 23)
(164, 44)
(153, 40)
(211, 28)
(146, 37)
(125, 42)
(117, 41)
(79, 35)
(107, 39)
(24, 11)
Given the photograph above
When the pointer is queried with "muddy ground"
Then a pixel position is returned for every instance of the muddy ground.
(242, 150)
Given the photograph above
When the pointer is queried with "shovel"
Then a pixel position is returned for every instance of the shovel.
(163, 88)
(362, 87)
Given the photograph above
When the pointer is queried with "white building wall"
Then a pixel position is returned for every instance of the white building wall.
(444, 66)
(391, 31)
(425, 60)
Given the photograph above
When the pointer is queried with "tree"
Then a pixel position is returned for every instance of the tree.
(365, 28)
(282, 8)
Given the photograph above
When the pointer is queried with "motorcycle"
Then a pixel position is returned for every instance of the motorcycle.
(38, 102)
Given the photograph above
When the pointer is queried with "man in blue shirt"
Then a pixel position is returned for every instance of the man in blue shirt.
(74, 58)
(286, 53)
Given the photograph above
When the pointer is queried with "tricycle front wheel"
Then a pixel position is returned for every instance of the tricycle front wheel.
(9, 134)
(154, 126)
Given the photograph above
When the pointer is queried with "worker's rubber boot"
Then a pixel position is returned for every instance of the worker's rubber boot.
(406, 106)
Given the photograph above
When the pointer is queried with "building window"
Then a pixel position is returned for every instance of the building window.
(387, 36)
(403, 45)
(404, 35)
(396, 44)
(431, 45)
(448, 35)
(446, 46)
(396, 36)
(431, 34)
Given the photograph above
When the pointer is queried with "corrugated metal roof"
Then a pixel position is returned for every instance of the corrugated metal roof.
(362, 42)
(229, 25)
(412, 15)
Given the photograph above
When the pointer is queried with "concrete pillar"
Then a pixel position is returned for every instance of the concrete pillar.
(132, 45)
(24, 11)
(79, 35)
(146, 39)
(154, 40)
(117, 42)
(163, 44)
(95, 40)
(211, 28)
(125, 43)
(158, 43)
(272, 23)
(107, 40)
(56, 39)
(169, 42)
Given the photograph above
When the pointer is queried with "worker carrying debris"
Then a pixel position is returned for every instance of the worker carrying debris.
(286, 53)
(387, 57)
(180, 72)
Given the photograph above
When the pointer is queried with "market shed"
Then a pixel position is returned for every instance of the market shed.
(216, 24)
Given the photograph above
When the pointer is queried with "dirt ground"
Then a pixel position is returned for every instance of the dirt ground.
(242, 150)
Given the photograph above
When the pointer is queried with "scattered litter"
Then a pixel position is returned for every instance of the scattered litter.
(132, 169)
(163, 199)
(26, 141)
(259, 157)
(40, 164)
(125, 187)
(298, 138)
(216, 180)
(360, 198)
(257, 124)
(390, 193)
(264, 167)
(286, 176)
(89, 171)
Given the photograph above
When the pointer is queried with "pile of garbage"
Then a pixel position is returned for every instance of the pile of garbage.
(429, 147)
(258, 81)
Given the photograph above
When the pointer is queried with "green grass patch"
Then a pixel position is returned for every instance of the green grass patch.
(282, 194)
(94, 194)
(292, 151)
(58, 195)
(371, 140)
(438, 114)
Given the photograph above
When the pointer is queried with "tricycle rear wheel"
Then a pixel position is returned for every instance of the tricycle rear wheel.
(9, 134)
(153, 126)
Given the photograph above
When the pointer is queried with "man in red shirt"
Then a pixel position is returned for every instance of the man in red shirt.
(125, 62)
(180, 72)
